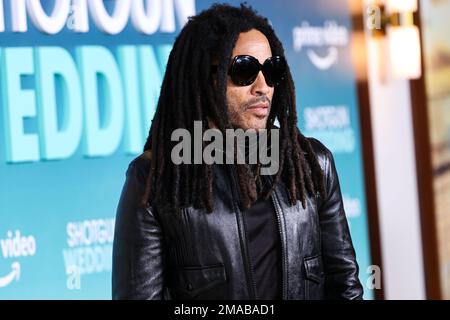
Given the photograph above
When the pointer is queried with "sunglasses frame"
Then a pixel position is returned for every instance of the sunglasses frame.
(261, 67)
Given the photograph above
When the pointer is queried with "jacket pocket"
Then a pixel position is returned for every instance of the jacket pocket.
(314, 278)
(199, 282)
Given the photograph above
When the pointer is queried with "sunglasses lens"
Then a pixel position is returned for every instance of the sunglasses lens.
(274, 70)
(244, 70)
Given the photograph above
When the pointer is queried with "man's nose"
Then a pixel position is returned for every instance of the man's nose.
(260, 87)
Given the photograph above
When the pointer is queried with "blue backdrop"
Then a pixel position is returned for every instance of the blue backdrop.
(78, 89)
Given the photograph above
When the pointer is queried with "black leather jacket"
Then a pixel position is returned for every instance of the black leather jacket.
(205, 256)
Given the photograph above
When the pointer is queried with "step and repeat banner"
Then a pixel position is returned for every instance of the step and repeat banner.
(79, 82)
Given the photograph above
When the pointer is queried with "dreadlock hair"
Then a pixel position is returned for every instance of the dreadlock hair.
(190, 93)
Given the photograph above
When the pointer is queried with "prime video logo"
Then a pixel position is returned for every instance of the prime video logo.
(233, 151)
(147, 16)
(331, 35)
(15, 246)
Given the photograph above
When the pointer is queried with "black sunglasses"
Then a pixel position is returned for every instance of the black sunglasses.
(244, 70)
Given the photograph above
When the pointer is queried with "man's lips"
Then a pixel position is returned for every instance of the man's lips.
(260, 109)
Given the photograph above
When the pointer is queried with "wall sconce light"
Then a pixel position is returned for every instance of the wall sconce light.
(397, 23)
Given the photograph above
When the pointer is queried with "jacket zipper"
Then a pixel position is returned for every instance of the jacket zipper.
(281, 226)
(243, 238)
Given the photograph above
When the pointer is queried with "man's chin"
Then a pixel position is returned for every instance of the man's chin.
(256, 125)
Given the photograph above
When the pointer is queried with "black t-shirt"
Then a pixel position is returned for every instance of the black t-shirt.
(264, 245)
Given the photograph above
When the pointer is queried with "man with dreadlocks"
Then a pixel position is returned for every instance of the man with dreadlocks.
(225, 231)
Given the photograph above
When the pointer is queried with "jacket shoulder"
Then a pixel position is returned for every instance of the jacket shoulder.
(323, 154)
(139, 167)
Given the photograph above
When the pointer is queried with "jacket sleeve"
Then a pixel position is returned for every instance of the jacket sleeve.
(340, 265)
(137, 269)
